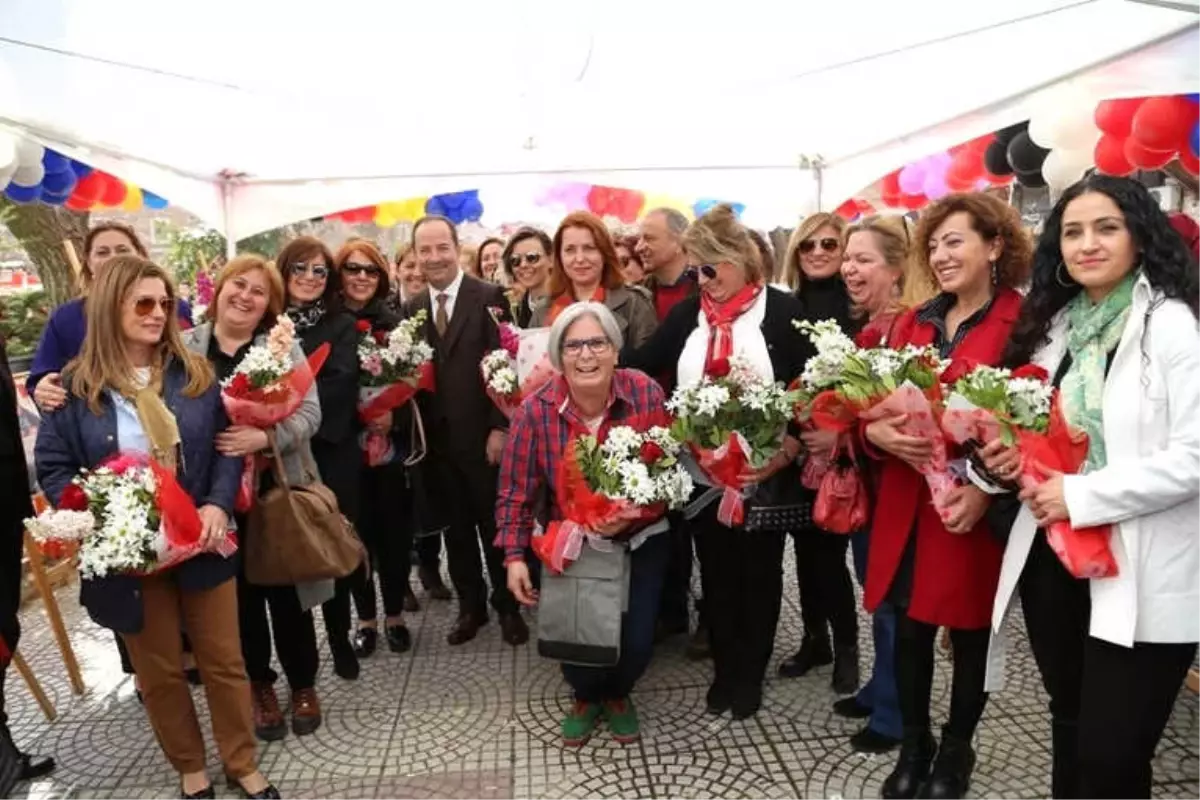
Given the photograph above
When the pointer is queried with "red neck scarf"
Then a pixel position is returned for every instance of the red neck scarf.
(567, 298)
(720, 318)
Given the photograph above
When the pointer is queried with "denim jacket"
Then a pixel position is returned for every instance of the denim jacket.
(74, 438)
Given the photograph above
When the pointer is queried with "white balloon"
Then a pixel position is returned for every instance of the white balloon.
(8, 152)
(29, 152)
(1063, 167)
(1067, 128)
(29, 174)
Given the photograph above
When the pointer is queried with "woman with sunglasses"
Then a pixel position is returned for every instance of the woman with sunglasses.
(527, 259)
(812, 268)
(632, 269)
(136, 389)
(384, 518)
(585, 268)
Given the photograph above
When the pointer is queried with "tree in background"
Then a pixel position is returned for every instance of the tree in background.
(41, 230)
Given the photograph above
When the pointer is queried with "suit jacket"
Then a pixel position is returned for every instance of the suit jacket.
(458, 413)
(15, 506)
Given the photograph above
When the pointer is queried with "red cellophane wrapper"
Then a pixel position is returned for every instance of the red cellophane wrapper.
(1085, 552)
(263, 408)
(723, 467)
(181, 523)
(583, 512)
(508, 404)
(375, 401)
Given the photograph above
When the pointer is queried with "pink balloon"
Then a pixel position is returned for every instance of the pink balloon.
(912, 178)
(935, 185)
(574, 196)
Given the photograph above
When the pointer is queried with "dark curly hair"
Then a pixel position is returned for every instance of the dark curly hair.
(1165, 260)
(992, 219)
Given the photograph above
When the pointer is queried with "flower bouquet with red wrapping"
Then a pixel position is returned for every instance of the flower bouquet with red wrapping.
(393, 366)
(844, 384)
(732, 419)
(266, 388)
(127, 516)
(633, 476)
(1021, 407)
(516, 369)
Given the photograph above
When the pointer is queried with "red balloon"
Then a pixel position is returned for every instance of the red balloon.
(979, 144)
(1142, 158)
(1161, 122)
(847, 210)
(892, 199)
(913, 201)
(1110, 156)
(114, 191)
(1116, 116)
(88, 189)
(77, 203)
(863, 206)
(997, 180)
(1189, 161)
(890, 184)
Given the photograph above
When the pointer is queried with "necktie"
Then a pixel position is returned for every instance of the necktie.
(441, 319)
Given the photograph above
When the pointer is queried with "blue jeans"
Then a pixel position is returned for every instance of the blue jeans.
(648, 565)
(879, 694)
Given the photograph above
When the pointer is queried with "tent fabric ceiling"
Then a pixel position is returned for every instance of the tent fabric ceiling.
(253, 114)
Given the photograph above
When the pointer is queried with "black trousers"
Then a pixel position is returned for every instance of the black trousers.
(677, 584)
(1109, 704)
(469, 488)
(294, 634)
(385, 527)
(742, 580)
(914, 675)
(429, 551)
(826, 592)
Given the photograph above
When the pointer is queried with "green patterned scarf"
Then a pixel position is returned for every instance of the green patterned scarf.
(1094, 331)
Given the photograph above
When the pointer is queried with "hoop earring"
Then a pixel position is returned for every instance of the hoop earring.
(1058, 276)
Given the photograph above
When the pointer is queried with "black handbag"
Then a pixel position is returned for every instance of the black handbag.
(783, 518)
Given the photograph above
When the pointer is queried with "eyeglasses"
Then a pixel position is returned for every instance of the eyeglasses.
(514, 262)
(351, 268)
(317, 271)
(709, 271)
(144, 306)
(828, 244)
(597, 346)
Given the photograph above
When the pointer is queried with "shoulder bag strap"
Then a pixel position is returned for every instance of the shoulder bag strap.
(277, 464)
(418, 432)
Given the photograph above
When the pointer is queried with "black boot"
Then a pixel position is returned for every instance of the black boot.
(1064, 775)
(951, 774)
(845, 669)
(912, 768)
(812, 653)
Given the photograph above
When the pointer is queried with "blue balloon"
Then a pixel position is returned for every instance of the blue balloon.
(59, 182)
(54, 161)
(55, 198)
(1194, 98)
(80, 169)
(1194, 139)
(151, 200)
(458, 207)
(706, 204)
(23, 194)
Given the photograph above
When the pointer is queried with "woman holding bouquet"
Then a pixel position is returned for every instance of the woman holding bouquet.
(1111, 318)
(385, 514)
(136, 389)
(736, 316)
(938, 567)
(585, 267)
(590, 396)
(247, 300)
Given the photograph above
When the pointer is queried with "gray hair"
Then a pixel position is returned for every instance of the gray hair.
(572, 314)
(677, 223)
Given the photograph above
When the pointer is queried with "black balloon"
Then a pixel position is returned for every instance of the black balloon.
(1032, 179)
(995, 158)
(1024, 155)
(1006, 135)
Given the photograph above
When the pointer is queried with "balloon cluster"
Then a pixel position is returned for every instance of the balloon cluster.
(1147, 133)
(961, 168)
(854, 208)
(458, 207)
(623, 205)
(32, 173)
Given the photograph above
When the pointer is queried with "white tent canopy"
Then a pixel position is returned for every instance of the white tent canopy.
(255, 113)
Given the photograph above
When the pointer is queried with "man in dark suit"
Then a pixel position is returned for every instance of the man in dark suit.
(466, 431)
(15, 506)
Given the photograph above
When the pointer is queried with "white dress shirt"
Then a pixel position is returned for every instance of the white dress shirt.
(451, 293)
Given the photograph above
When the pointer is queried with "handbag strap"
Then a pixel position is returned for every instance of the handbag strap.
(277, 465)
(418, 431)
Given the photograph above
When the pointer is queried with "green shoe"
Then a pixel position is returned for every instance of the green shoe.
(622, 720)
(580, 724)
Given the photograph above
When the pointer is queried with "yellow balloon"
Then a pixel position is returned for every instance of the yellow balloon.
(133, 198)
(412, 209)
(384, 218)
(654, 201)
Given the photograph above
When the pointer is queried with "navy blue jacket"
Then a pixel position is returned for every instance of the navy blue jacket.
(74, 438)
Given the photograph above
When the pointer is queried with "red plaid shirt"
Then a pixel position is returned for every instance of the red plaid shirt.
(538, 435)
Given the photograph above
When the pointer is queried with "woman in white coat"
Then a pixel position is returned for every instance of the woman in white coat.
(1112, 317)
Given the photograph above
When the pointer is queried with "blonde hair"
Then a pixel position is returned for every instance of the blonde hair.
(103, 362)
(719, 236)
(242, 264)
(793, 275)
(894, 237)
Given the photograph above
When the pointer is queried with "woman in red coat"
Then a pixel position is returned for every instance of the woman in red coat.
(943, 572)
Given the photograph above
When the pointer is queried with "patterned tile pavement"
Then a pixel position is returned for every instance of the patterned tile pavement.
(481, 721)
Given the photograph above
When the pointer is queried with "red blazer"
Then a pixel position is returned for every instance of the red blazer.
(954, 576)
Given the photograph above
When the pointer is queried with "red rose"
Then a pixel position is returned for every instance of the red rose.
(959, 368)
(719, 368)
(73, 499)
(868, 338)
(364, 326)
(651, 452)
(381, 337)
(1032, 371)
(240, 384)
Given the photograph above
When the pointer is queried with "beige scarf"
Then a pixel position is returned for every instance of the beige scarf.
(158, 423)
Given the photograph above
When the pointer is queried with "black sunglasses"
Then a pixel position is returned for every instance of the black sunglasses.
(828, 244)
(709, 271)
(514, 261)
(350, 268)
(319, 272)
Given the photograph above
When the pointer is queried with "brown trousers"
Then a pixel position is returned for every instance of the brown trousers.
(210, 618)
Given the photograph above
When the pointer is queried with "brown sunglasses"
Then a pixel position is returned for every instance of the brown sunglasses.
(144, 306)
(828, 244)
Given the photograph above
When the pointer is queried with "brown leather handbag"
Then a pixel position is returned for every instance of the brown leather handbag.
(297, 533)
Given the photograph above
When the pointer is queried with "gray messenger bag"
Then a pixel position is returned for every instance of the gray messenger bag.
(580, 611)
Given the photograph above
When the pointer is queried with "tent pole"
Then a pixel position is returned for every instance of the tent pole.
(818, 176)
(230, 243)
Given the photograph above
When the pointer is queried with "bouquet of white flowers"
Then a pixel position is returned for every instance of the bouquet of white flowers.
(393, 366)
